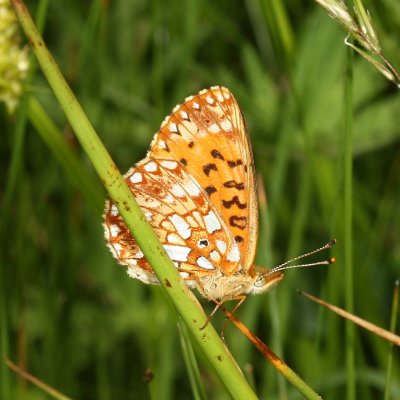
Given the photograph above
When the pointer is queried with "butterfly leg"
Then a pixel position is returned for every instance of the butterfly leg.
(196, 279)
(241, 299)
(219, 304)
(209, 318)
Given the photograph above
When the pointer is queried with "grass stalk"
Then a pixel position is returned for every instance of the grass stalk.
(393, 324)
(196, 383)
(184, 300)
(55, 394)
(73, 168)
(348, 223)
(275, 361)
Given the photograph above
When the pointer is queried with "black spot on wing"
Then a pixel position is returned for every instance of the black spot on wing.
(239, 239)
(234, 200)
(234, 184)
(210, 190)
(238, 222)
(208, 168)
(216, 154)
(233, 164)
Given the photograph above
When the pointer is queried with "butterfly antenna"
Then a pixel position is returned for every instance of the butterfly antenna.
(286, 265)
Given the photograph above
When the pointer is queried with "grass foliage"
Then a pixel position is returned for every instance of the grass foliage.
(70, 316)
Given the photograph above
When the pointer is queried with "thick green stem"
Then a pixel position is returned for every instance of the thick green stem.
(184, 300)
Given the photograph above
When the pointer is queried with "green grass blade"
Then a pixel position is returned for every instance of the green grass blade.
(184, 300)
(196, 383)
(73, 169)
(393, 324)
(348, 224)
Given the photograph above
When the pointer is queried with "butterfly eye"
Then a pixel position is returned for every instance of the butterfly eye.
(260, 281)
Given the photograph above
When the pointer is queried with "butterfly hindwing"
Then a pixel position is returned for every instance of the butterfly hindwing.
(193, 234)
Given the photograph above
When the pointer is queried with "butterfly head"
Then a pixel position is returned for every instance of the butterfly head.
(265, 279)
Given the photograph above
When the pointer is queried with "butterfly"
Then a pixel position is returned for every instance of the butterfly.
(197, 188)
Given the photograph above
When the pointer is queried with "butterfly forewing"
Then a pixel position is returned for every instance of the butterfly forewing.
(196, 187)
(208, 137)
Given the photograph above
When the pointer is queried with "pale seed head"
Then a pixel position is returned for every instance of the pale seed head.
(14, 62)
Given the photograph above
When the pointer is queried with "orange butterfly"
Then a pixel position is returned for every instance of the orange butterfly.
(197, 189)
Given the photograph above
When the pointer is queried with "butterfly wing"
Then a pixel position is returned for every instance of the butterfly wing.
(207, 136)
(190, 229)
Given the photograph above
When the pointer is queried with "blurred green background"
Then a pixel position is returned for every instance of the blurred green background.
(70, 315)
